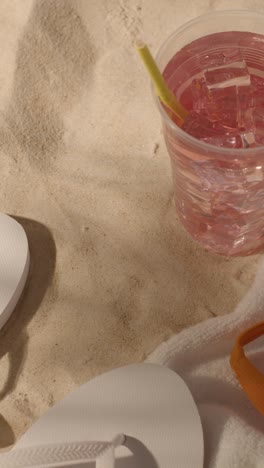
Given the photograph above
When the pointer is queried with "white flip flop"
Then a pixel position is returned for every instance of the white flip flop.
(137, 416)
(14, 265)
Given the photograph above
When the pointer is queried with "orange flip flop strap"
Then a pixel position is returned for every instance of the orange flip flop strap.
(251, 379)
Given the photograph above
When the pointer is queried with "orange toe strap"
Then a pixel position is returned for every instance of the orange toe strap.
(251, 379)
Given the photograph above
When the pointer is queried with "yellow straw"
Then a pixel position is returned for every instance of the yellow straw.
(161, 88)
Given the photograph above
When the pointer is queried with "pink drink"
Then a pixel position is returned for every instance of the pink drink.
(219, 180)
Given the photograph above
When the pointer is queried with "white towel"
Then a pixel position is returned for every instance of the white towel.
(233, 429)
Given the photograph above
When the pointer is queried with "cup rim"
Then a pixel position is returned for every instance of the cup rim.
(205, 147)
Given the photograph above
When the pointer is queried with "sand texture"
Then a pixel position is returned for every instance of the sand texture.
(85, 170)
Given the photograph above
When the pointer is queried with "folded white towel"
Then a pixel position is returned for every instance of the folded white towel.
(233, 429)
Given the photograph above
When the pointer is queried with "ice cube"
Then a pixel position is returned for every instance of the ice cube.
(248, 139)
(225, 141)
(225, 69)
(219, 58)
(222, 106)
(230, 102)
(198, 125)
(200, 94)
(253, 127)
(245, 98)
(249, 97)
(254, 174)
(224, 92)
(227, 76)
(219, 105)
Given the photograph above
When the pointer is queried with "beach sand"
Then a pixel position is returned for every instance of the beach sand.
(85, 170)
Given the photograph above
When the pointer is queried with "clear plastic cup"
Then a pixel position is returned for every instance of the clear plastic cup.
(219, 192)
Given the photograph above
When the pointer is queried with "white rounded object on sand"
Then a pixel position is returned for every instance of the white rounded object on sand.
(14, 265)
(150, 404)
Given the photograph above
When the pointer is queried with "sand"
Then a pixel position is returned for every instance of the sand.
(85, 170)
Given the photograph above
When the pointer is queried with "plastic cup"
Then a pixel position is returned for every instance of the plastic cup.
(219, 192)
